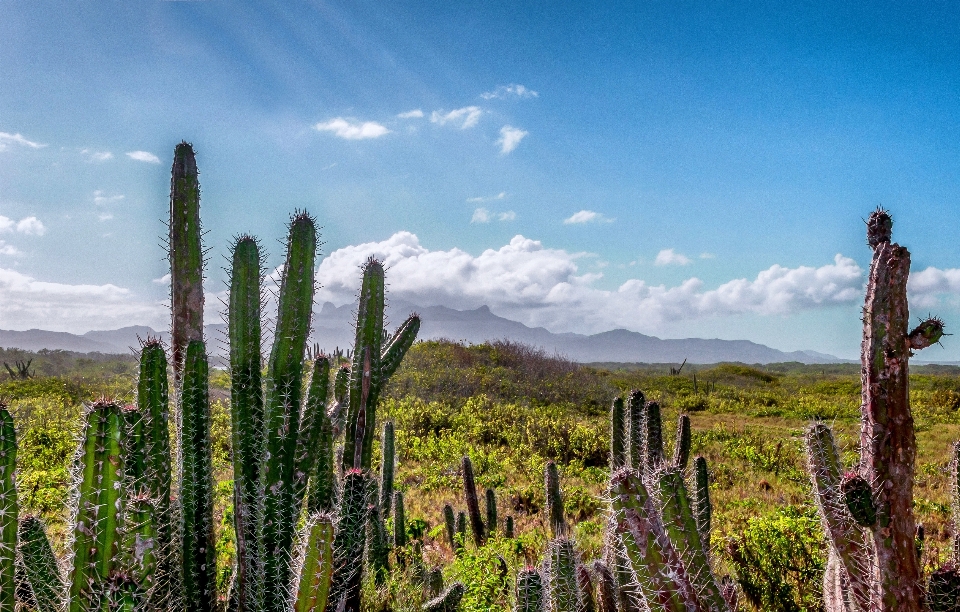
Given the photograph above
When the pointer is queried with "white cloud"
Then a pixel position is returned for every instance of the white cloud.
(507, 216)
(669, 257)
(525, 281)
(499, 196)
(467, 117)
(928, 286)
(586, 216)
(510, 137)
(97, 156)
(30, 226)
(101, 199)
(506, 91)
(8, 249)
(352, 129)
(163, 280)
(105, 216)
(414, 114)
(143, 156)
(29, 303)
(480, 215)
(7, 139)
(707, 256)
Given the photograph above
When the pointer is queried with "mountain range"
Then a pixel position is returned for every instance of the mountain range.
(333, 327)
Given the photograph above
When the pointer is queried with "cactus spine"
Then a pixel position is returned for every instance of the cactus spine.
(198, 563)
(40, 565)
(872, 533)
(97, 511)
(315, 565)
(529, 591)
(186, 254)
(9, 510)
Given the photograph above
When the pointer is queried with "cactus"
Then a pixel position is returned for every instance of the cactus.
(448, 601)
(868, 514)
(585, 583)
(139, 540)
(635, 431)
(348, 544)
(315, 565)
(314, 455)
(653, 435)
(387, 465)
(186, 254)
(551, 477)
(618, 449)
(508, 527)
(460, 539)
(703, 509)
(433, 585)
(120, 593)
(198, 561)
(491, 502)
(9, 510)
(449, 521)
(40, 565)
(95, 516)
(473, 504)
(561, 571)
(378, 546)
(399, 522)
(943, 589)
(606, 588)
(529, 591)
(681, 449)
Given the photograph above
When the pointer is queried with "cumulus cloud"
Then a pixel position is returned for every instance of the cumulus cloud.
(143, 156)
(508, 91)
(528, 282)
(499, 196)
(30, 303)
(8, 249)
(507, 216)
(100, 198)
(928, 286)
(30, 226)
(413, 114)
(480, 215)
(465, 117)
(163, 280)
(349, 129)
(510, 137)
(669, 257)
(7, 139)
(586, 216)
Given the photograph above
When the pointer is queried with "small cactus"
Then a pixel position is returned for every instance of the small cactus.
(529, 591)
(558, 525)
(450, 521)
(491, 503)
(473, 504)
(448, 601)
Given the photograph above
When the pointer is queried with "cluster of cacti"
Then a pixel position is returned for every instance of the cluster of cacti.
(867, 512)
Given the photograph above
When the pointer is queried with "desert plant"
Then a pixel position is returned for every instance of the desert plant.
(867, 512)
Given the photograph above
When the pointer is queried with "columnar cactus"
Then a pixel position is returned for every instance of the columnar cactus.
(868, 512)
(450, 521)
(551, 477)
(491, 503)
(388, 462)
(40, 565)
(529, 591)
(9, 510)
(186, 254)
(448, 601)
(618, 435)
(561, 572)
(473, 504)
(315, 565)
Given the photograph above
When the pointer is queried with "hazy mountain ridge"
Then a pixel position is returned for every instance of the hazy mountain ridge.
(333, 327)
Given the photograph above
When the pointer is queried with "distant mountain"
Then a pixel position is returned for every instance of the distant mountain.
(333, 327)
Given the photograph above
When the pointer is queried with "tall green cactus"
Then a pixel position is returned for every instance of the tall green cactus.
(387, 465)
(868, 512)
(529, 591)
(450, 521)
(313, 447)
(561, 571)
(198, 560)
(491, 503)
(473, 503)
(315, 565)
(349, 541)
(96, 515)
(618, 435)
(399, 522)
(186, 254)
(555, 515)
(140, 550)
(9, 510)
(635, 429)
(40, 565)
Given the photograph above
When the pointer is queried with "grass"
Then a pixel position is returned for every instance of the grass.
(511, 409)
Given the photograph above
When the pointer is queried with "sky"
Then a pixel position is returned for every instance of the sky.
(682, 169)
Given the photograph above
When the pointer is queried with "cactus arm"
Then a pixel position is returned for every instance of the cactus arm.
(529, 591)
(450, 521)
(448, 601)
(491, 503)
(618, 449)
(282, 408)
(313, 419)
(322, 485)
(186, 254)
(341, 384)
(133, 445)
(153, 401)
(681, 448)
(681, 527)
(661, 578)
(198, 569)
(561, 571)
(387, 466)
(97, 514)
(554, 499)
(316, 565)
(9, 510)
(635, 435)
(398, 346)
(847, 543)
(40, 565)
(366, 371)
(887, 436)
(653, 441)
(473, 503)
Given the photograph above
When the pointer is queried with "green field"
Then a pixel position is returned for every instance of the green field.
(511, 408)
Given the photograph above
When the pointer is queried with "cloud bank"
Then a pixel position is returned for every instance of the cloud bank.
(539, 286)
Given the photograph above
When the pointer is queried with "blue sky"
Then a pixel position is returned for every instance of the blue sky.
(677, 168)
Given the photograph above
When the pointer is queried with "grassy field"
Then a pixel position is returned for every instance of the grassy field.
(512, 408)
